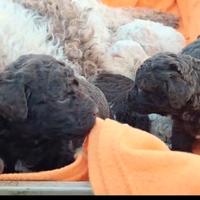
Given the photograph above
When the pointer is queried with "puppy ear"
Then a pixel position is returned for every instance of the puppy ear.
(179, 93)
(13, 104)
(182, 87)
(186, 67)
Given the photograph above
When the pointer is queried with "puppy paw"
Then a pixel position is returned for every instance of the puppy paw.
(1, 166)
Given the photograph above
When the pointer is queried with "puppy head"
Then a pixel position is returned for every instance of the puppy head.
(55, 111)
(164, 84)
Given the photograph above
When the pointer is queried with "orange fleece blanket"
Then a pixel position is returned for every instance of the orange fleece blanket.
(118, 159)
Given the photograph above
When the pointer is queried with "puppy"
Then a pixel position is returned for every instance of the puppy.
(44, 113)
(153, 37)
(168, 84)
(86, 32)
(116, 89)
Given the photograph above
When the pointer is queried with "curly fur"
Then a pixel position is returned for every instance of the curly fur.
(42, 105)
(111, 84)
(97, 96)
(22, 32)
(153, 37)
(126, 57)
(168, 84)
(86, 30)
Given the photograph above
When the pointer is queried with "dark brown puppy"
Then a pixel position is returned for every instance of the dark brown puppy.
(116, 89)
(43, 113)
(169, 84)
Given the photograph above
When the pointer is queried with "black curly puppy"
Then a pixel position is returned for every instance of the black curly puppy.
(169, 84)
(116, 89)
(43, 111)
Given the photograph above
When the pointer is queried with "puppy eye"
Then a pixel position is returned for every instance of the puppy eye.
(75, 82)
(173, 66)
(36, 142)
(27, 92)
(61, 63)
(165, 86)
(140, 90)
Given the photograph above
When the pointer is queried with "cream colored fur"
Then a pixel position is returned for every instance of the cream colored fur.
(152, 36)
(87, 30)
(23, 31)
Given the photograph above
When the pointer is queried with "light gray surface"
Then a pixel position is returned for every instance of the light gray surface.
(44, 188)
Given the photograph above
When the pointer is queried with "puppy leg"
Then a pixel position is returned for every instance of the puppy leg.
(140, 121)
(1, 166)
(181, 139)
